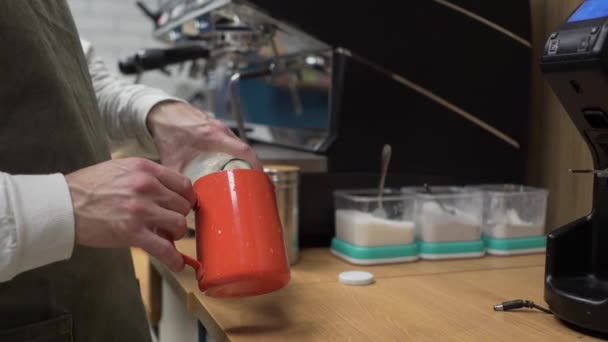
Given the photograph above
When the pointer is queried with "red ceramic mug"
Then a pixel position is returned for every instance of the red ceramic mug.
(239, 237)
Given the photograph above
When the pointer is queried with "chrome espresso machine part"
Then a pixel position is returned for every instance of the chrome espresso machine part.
(574, 63)
(323, 85)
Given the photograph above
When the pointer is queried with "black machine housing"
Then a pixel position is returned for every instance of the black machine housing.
(575, 63)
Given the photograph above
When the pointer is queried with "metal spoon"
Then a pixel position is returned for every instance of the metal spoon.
(386, 159)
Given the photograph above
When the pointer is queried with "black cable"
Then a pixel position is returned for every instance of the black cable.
(519, 304)
(547, 311)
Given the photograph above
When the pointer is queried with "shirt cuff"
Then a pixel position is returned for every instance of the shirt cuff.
(144, 106)
(44, 218)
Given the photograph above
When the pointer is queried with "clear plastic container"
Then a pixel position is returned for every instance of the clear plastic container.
(448, 222)
(448, 214)
(361, 221)
(513, 211)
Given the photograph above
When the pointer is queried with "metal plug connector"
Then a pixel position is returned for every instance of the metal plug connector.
(519, 304)
(598, 173)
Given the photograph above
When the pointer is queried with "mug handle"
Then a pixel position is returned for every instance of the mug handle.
(195, 264)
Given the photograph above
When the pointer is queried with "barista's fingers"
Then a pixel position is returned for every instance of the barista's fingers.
(232, 144)
(173, 181)
(170, 222)
(172, 201)
(160, 248)
(239, 149)
(222, 127)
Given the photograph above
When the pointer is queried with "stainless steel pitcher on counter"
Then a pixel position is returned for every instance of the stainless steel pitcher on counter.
(286, 182)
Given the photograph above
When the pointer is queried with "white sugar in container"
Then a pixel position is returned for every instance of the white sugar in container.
(514, 218)
(374, 230)
(364, 229)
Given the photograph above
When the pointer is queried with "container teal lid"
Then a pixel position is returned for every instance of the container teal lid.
(371, 253)
(453, 247)
(532, 242)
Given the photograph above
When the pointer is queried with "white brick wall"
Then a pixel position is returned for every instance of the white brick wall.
(117, 28)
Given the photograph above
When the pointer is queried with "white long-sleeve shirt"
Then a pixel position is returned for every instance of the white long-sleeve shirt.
(36, 214)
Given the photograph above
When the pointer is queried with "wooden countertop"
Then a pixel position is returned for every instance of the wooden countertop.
(421, 301)
(142, 272)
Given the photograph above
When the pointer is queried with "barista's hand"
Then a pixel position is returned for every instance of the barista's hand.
(181, 132)
(121, 203)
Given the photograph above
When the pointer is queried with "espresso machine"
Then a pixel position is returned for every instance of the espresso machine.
(574, 63)
(323, 85)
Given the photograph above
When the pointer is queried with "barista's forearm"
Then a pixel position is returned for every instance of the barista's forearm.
(124, 106)
(36, 222)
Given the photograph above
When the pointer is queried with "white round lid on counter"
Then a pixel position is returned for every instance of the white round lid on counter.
(356, 278)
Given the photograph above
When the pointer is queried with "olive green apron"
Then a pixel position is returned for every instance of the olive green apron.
(49, 123)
